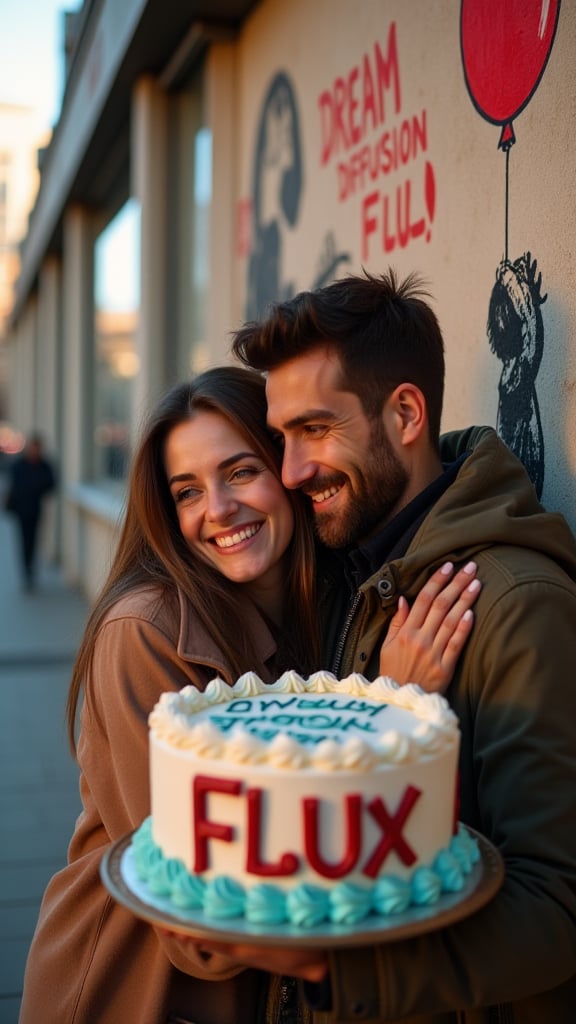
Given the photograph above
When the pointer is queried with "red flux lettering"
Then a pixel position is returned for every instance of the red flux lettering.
(390, 825)
(203, 828)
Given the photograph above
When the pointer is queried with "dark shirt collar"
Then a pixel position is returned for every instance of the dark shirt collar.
(393, 540)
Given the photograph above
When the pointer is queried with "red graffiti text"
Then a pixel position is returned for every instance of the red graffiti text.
(392, 150)
(390, 220)
(356, 103)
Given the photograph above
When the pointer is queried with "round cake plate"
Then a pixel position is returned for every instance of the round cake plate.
(119, 876)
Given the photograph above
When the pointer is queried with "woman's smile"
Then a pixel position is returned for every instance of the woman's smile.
(240, 534)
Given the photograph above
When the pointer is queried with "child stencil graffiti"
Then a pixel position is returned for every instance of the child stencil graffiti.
(516, 336)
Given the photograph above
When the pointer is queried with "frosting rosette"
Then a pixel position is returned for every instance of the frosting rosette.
(266, 904)
(358, 755)
(188, 891)
(289, 682)
(391, 896)
(308, 905)
(224, 897)
(248, 685)
(449, 871)
(284, 752)
(349, 903)
(425, 887)
(242, 748)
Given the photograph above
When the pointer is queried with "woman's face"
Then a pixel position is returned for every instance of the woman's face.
(231, 508)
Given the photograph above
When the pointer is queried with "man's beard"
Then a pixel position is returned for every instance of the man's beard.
(373, 498)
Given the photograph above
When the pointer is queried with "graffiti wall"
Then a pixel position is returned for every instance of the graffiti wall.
(438, 138)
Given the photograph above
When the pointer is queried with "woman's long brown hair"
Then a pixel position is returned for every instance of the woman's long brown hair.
(151, 548)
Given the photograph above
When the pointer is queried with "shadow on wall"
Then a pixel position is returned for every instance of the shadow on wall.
(557, 401)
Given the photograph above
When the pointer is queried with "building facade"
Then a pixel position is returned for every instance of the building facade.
(211, 156)
(20, 140)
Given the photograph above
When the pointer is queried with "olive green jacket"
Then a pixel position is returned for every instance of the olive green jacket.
(514, 961)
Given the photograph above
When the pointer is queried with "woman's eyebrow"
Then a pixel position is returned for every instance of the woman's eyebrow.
(180, 477)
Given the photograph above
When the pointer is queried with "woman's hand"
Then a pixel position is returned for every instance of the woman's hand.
(307, 964)
(424, 642)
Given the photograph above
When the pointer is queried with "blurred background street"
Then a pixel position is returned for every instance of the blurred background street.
(39, 634)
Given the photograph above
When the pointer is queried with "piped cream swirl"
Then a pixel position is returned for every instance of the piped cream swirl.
(174, 721)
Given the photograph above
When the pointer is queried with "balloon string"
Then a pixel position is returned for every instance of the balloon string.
(506, 203)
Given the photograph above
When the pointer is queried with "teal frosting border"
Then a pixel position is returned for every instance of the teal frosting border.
(303, 906)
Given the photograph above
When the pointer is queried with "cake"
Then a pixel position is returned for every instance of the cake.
(302, 801)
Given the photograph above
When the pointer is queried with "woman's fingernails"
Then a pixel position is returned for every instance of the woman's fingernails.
(474, 586)
(446, 568)
(470, 568)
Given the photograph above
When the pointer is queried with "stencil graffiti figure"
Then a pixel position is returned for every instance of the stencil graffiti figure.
(516, 336)
(277, 191)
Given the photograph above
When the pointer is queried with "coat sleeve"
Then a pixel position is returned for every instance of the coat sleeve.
(517, 702)
(134, 662)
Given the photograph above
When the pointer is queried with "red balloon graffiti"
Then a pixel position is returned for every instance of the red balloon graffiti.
(505, 48)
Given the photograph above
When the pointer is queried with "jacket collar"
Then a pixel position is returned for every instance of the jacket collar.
(195, 644)
(394, 537)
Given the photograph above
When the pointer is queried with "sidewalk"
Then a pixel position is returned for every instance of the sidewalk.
(39, 635)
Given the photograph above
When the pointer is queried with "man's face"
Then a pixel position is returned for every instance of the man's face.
(342, 460)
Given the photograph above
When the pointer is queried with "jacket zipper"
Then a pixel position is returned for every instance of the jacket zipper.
(338, 654)
(501, 1014)
(283, 1003)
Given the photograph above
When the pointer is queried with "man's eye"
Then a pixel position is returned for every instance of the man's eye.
(278, 440)
(315, 429)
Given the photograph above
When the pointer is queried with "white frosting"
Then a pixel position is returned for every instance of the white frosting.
(184, 720)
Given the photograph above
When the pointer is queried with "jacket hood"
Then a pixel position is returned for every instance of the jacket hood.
(492, 502)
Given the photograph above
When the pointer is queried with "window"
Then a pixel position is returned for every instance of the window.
(116, 305)
(189, 218)
(5, 168)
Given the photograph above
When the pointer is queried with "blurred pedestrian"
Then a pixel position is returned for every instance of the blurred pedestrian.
(32, 477)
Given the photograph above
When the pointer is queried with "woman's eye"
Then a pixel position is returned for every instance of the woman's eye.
(186, 494)
(244, 473)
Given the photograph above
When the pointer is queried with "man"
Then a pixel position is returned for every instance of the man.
(355, 375)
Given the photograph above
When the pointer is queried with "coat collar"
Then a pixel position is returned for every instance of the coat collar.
(195, 644)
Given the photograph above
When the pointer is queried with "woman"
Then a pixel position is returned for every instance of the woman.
(213, 574)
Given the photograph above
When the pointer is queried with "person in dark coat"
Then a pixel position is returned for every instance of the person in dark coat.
(32, 478)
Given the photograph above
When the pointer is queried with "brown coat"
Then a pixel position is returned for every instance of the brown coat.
(91, 961)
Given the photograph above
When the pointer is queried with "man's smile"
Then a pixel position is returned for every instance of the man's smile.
(320, 496)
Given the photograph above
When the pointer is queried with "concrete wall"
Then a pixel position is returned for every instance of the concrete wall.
(374, 152)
